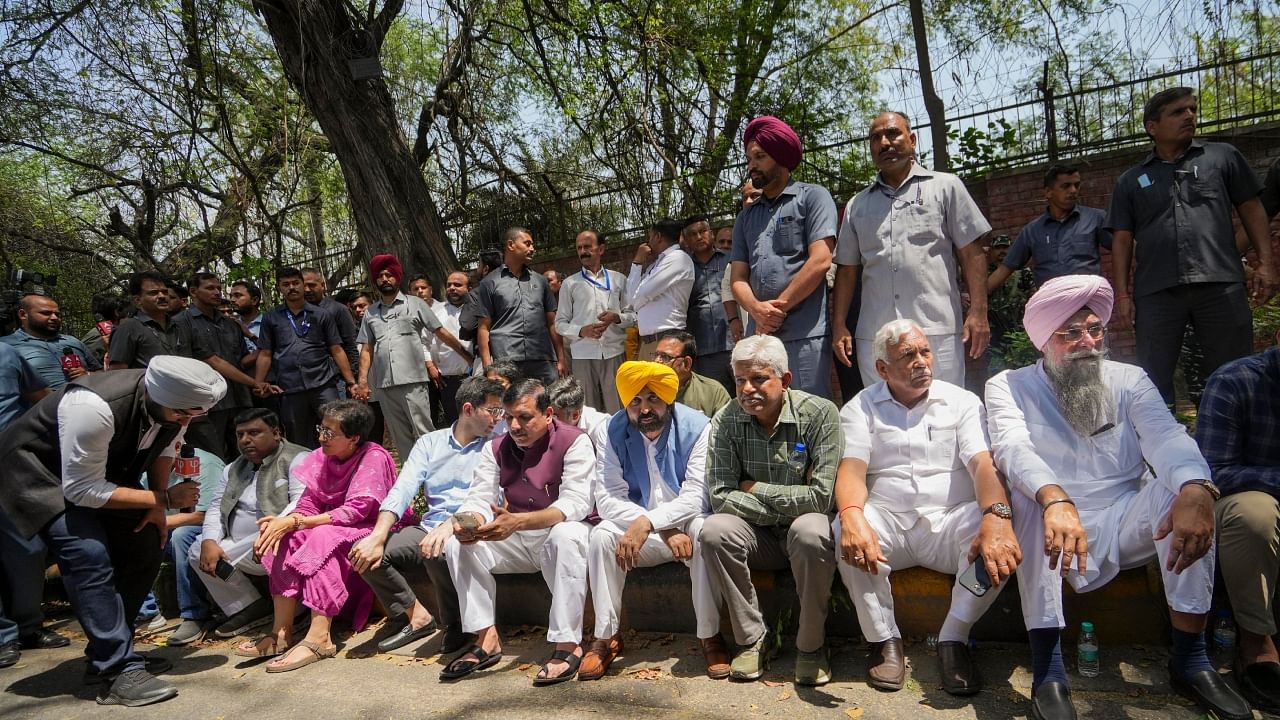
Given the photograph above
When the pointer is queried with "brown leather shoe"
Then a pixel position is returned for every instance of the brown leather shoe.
(716, 655)
(601, 654)
(959, 674)
(887, 665)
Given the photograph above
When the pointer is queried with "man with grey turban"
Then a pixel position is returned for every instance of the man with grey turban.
(75, 462)
(1104, 477)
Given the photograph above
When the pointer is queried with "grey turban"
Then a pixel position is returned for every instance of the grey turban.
(180, 383)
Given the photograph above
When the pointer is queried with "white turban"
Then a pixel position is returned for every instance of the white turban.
(180, 383)
(1060, 298)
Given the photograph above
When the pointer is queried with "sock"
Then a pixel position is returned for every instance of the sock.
(954, 630)
(1190, 653)
(1046, 657)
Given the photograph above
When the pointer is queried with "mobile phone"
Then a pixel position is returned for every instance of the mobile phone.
(467, 521)
(224, 569)
(975, 578)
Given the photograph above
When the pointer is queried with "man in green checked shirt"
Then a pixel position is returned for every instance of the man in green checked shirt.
(771, 470)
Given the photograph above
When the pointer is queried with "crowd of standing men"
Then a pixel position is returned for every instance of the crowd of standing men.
(562, 453)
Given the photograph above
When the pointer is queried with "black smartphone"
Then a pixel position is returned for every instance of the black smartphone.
(224, 569)
(975, 578)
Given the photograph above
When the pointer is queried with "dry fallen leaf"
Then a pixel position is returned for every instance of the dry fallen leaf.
(524, 666)
(645, 673)
(772, 683)
(784, 694)
(854, 713)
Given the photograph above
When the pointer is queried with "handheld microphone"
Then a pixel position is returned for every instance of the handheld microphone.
(187, 467)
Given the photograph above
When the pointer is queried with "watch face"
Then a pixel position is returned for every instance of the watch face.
(1001, 510)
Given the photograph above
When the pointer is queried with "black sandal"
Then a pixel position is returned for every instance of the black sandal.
(573, 660)
(461, 668)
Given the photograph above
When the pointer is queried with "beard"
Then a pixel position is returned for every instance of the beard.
(387, 288)
(1085, 400)
(651, 422)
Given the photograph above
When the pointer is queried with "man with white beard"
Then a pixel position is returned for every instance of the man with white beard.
(1074, 433)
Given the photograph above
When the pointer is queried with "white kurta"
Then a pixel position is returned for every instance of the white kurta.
(1122, 478)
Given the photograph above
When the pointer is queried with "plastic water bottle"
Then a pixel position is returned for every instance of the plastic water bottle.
(1224, 632)
(799, 458)
(1087, 658)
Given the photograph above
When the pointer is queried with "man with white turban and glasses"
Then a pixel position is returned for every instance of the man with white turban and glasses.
(1074, 434)
(75, 463)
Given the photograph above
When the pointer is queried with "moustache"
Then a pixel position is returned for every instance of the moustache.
(921, 373)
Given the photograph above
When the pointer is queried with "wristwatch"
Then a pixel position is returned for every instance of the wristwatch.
(1000, 510)
(1207, 485)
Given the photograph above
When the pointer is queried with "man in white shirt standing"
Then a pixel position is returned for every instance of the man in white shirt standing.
(651, 498)
(591, 318)
(917, 487)
(523, 514)
(660, 283)
(1074, 434)
(447, 367)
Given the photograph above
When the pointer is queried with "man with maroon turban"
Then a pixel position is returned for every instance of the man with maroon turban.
(392, 367)
(1102, 476)
(781, 253)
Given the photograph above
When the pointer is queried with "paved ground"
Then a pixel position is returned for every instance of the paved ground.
(660, 676)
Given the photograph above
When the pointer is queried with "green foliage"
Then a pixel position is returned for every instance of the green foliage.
(984, 148)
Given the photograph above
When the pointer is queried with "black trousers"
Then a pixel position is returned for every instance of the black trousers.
(401, 555)
(300, 413)
(1220, 314)
(544, 370)
(449, 398)
(107, 570)
(215, 433)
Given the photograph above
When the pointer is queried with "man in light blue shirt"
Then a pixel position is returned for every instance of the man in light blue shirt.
(441, 464)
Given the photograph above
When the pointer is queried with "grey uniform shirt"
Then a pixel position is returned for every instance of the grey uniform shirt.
(905, 240)
(706, 317)
(396, 333)
(773, 238)
(138, 339)
(1180, 215)
(517, 309)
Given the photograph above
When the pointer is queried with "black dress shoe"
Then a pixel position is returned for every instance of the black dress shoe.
(1211, 693)
(10, 654)
(406, 635)
(1260, 684)
(1052, 701)
(888, 665)
(43, 640)
(959, 674)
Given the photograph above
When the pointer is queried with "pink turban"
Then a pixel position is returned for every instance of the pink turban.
(386, 262)
(1060, 298)
(776, 138)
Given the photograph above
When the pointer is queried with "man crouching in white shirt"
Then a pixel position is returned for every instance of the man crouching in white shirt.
(917, 487)
(651, 498)
(1074, 434)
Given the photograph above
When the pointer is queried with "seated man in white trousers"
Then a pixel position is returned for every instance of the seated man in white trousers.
(917, 487)
(258, 483)
(1074, 434)
(651, 497)
(523, 514)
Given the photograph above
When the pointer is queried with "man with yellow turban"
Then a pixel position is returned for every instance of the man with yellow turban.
(651, 498)
(1075, 434)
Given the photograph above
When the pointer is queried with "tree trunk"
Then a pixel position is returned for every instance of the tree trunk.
(390, 203)
(932, 103)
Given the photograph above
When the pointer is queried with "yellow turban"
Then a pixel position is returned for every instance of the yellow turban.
(636, 375)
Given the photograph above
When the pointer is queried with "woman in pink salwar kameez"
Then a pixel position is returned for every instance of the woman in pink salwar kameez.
(305, 552)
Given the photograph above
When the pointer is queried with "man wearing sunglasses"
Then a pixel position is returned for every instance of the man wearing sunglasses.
(1074, 434)
(441, 465)
(75, 462)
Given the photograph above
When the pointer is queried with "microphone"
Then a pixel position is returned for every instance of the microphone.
(187, 467)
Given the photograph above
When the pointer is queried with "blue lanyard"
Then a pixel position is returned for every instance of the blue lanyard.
(608, 282)
(306, 326)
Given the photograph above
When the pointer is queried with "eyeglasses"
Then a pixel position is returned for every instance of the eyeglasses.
(326, 434)
(665, 359)
(1076, 333)
(188, 414)
(495, 412)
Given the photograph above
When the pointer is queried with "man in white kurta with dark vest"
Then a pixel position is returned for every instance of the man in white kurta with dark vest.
(74, 466)
(1104, 478)
(258, 483)
(651, 498)
(523, 514)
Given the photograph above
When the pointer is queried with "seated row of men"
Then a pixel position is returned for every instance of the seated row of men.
(906, 466)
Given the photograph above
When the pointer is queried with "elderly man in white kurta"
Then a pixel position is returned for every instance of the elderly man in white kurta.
(917, 487)
(651, 497)
(1106, 479)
